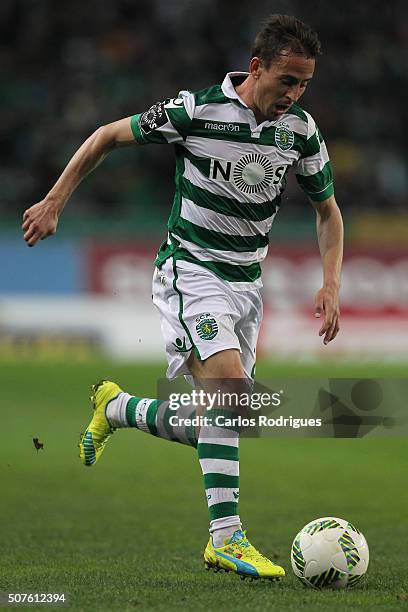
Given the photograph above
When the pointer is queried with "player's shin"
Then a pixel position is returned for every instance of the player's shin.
(218, 452)
(153, 416)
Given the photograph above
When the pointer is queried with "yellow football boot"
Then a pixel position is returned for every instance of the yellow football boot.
(239, 556)
(93, 441)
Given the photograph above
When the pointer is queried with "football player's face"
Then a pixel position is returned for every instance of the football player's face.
(276, 88)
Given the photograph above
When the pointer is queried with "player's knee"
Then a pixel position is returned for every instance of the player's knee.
(232, 372)
(230, 364)
(223, 365)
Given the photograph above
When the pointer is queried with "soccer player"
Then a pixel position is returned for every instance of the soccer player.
(235, 143)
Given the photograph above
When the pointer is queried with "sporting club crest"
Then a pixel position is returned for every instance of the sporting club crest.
(284, 137)
(206, 327)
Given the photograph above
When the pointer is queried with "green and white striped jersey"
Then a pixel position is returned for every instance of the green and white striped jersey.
(230, 175)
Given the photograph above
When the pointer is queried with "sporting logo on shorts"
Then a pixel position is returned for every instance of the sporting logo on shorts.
(284, 137)
(206, 327)
(153, 118)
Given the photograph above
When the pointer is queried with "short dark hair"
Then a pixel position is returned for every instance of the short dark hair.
(285, 33)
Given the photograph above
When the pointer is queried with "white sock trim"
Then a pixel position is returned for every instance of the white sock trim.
(225, 521)
(220, 466)
(218, 435)
(116, 410)
(141, 411)
(218, 495)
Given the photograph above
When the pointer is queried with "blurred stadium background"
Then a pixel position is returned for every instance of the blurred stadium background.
(69, 67)
(77, 304)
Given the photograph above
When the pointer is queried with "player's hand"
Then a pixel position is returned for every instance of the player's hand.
(327, 304)
(39, 221)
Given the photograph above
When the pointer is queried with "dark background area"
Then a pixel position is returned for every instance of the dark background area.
(69, 67)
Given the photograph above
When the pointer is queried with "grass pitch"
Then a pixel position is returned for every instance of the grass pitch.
(128, 534)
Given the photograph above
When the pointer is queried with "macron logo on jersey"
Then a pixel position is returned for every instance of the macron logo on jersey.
(222, 127)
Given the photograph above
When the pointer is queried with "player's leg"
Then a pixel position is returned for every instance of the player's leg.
(217, 447)
(116, 409)
(236, 369)
(218, 451)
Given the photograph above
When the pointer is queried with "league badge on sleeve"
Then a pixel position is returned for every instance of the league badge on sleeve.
(153, 118)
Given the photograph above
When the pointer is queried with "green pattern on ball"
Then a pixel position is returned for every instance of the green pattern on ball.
(350, 550)
(297, 555)
(351, 526)
(326, 578)
(320, 525)
(353, 580)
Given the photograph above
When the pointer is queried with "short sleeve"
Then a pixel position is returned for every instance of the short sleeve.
(313, 169)
(167, 122)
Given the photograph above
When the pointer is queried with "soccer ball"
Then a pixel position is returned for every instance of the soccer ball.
(329, 552)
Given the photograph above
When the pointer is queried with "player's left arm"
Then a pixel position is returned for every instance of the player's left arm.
(329, 225)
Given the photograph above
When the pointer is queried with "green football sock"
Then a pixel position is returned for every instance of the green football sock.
(153, 416)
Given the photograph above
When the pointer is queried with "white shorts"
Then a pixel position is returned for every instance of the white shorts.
(199, 312)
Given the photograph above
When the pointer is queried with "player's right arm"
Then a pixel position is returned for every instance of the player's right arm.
(41, 220)
(164, 122)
